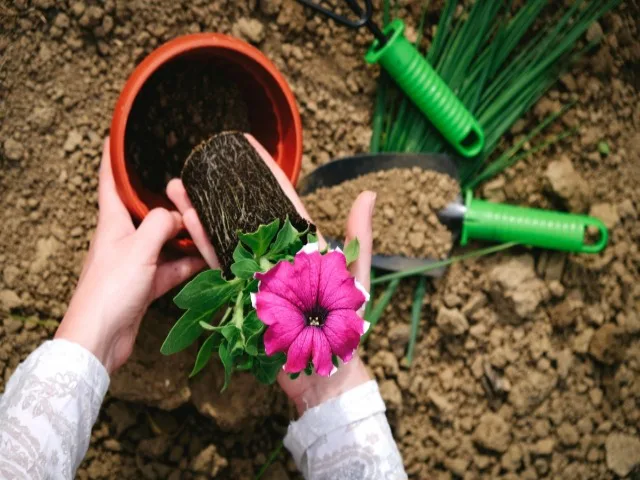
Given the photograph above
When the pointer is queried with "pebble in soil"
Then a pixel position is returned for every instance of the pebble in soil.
(405, 220)
(182, 104)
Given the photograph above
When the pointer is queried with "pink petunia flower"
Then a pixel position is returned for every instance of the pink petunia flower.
(310, 307)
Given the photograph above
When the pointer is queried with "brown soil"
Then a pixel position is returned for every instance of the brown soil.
(181, 105)
(515, 375)
(405, 220)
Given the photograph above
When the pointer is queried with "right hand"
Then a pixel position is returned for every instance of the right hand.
(306, 391)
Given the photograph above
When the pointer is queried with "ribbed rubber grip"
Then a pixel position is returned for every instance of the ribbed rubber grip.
(529, 226)
(411, 71)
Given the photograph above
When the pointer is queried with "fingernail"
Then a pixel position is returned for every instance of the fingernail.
(372, 203)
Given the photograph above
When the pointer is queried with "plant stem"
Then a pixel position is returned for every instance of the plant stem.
(225, 317)
(443, 263)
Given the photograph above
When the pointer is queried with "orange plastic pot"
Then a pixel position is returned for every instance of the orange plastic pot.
(273, 114)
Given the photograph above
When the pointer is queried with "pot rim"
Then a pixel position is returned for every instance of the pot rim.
(141, 74)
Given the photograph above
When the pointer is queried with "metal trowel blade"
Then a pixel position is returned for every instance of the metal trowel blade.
(339, 171)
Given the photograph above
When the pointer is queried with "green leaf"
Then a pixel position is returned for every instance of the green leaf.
(233, 335)
(204, 354)
(227, 363)
(266, 369)
(241, 253)
(208, 291)
(311, 238)
(252, 329)
(185, 331)
(352, 251)
(286, 236)
(335, 361)
(245, 363)
(260, 240)
(293, 376)
(244, 269)
(309, 370)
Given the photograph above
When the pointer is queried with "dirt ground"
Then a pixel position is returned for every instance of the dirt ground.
(528, 362)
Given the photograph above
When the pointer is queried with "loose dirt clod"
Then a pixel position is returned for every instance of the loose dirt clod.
(233, 190)
(405, 219)
(181, 105)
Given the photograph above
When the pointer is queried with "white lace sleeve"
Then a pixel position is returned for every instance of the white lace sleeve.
(47, 411)
(347, 437)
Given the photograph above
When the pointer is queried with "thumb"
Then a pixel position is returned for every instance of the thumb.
(157, 228)
(359, 225)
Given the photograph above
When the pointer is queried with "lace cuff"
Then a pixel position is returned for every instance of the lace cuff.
(346, 437)
(48, 409)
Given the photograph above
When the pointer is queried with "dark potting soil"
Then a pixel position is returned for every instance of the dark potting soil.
(405, 220)
(181, 105)
(233, 189)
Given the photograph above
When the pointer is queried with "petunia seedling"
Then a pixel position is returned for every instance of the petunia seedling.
(277, 301)
(288, 306)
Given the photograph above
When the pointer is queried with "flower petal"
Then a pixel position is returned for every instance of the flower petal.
(300, 351)
(272, 308)
(281, 281)
(280, 335)
(321, 353)
(337, 287)
(307, 268)
(343, 329)
(360, 287)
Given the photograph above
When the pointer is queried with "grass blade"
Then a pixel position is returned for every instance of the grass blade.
(272, 456)
(416, 313)
(392, 277)
(378, 309)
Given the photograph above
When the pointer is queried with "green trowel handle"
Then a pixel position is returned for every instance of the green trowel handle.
(427, 90)
(529, 226)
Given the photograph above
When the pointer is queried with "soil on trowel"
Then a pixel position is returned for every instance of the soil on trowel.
(405, 220)
(181, 105)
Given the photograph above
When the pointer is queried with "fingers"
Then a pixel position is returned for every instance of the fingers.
(178, 195)
(359, 225)
(157, 228)
(110, 206)
(172, 273)
(200, 239)
(284, 182)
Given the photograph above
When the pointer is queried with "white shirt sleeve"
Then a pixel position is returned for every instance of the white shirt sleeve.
(47, 411)
(346, 437)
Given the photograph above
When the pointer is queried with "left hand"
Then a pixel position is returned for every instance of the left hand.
(125, 270)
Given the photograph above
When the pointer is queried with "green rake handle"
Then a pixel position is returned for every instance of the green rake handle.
(427, 90)
(529, 226)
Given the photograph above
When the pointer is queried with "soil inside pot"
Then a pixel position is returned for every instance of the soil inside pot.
(182, 104)
(405, 219)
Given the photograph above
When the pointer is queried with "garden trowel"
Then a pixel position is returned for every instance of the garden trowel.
(468, 218)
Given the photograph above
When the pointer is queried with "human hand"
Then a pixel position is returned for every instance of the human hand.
(306, 391)
(125, 270)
